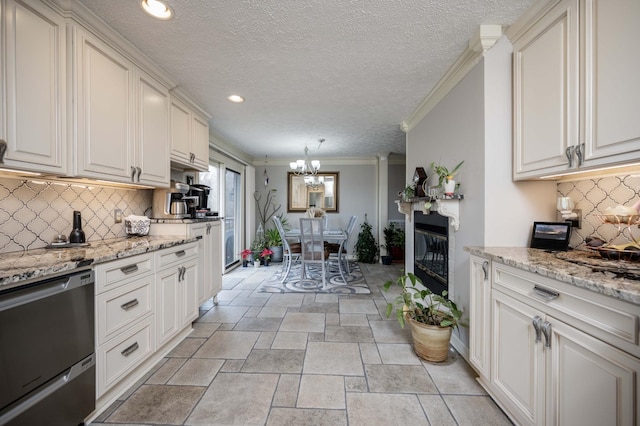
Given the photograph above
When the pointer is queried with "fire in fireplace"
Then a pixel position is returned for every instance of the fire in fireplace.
(431, 250)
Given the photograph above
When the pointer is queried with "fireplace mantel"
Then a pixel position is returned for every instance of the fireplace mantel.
(446, 206)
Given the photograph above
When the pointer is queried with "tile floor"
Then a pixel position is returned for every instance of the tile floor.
(302, 359)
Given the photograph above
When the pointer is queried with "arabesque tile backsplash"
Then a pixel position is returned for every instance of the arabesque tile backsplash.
(32, 213)
(593, 196)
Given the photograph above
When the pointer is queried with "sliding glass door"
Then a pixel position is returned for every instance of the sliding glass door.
(232, 217)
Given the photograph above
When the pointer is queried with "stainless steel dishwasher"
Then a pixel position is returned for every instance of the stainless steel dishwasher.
(47, 360)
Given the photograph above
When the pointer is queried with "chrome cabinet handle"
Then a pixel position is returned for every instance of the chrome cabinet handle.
(3, 150)
(537, 326)
(546, 330)
(545, 293)
(139, 173)
(131, 349)
(133, 174)
(130, 304)
(129, 269)
(569, 153)
(579, 153)
(180, 253)
(208, 228)
(485, 269)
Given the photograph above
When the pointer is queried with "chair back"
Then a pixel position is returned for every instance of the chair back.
(312, 240)
(352, 224)
(280, 228)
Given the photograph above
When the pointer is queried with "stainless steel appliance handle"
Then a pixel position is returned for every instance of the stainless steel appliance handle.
(130, 304)
(131, 349)
(45, 289)
(546, 330)
(49, 389)
(545, 293)
(537, 326)
(129, 269)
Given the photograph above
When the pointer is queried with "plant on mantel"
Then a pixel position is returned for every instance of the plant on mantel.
(444, 174)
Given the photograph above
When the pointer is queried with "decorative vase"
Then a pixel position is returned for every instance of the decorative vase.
(277, 253)
(449, 187)
(387, 260)
(245, 262)
(430, 342)
(256, 263)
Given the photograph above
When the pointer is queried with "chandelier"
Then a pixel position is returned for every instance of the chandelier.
(306, 167)
(314, 182)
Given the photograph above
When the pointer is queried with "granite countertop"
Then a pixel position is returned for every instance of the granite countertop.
(189, 220)
(549, 265)
(19, 268)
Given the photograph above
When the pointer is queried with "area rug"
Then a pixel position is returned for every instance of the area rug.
(355, 284)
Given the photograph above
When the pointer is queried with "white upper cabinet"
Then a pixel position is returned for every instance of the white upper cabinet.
(152, 135)
(189, 137)
(33, 75)
(105, 113)
(575, 87)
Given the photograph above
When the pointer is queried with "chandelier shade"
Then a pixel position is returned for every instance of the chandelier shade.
(306, 167)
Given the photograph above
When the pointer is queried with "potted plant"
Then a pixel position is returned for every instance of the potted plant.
(408, 193)
(366, 245)
(394, 241)
(265, 255)
(446, 176)
(257, 247)
(432, 317)
(245, 257)
(274, 242)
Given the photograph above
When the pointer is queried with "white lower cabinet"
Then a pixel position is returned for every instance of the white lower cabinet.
(559, 355)
(480, 316)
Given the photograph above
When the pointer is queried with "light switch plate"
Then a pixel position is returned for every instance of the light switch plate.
(117, 215)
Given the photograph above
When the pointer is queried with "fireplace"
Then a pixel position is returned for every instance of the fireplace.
(431, 250)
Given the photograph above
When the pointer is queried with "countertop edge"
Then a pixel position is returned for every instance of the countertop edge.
(541, 262)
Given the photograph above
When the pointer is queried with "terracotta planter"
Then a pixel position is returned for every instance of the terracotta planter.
(430, 342)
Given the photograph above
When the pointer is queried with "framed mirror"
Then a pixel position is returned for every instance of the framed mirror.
(320, 190)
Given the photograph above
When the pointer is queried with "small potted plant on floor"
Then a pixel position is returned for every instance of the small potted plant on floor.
(245, 257)
(266, 256)
(274, 242)
(366, 245)
(432, 317)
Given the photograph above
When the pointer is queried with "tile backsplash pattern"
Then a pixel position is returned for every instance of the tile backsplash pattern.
(32, 213)
(593, 196)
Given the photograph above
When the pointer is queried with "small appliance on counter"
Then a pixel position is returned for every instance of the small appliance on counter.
(202, 192)
(169, 203)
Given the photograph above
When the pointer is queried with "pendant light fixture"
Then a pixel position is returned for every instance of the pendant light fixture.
(305, 167)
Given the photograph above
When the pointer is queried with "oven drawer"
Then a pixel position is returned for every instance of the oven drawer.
(611, 320)
(118, 308)
(175, 254)
(118, 272)
(121, 355)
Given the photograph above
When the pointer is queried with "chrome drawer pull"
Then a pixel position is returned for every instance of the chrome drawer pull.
(545, 293)
(131, 304)
(129, 269)
(131, 349)
(180, 253)
(537, 326)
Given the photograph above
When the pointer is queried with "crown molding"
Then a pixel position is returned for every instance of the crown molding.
(324, 161)
(484, 38)
(529, 18)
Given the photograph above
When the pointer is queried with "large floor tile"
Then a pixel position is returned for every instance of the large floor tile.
(186, 348)
(158, 404)
(437, 411)
(274, 361)
(164, 373)
(333, 358)
(455, 378)
(224, 314)
(235, 399)
(357, 306)
(290, 340)
(309, 322)
(368, 409)
(398, 353)
(348, 334)
(258, 324)
(399, 379)
(287, 391)
(475, 410)
(318, 391)
(306, 417)
(228, 345)
(389, 332)
(286, 300)
(197, 372)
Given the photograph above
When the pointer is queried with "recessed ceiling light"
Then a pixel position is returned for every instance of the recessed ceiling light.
(236, 98)
(157, 8)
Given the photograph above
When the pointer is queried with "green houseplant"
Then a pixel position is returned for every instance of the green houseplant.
(366, 245)
(444, 174)
(274, 242)
(432, 317)
(394, 241)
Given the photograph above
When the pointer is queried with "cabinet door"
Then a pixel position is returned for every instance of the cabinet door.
(152, 138)
(180, 132)
(105, 117)
(480, 316)
(611, 85)
(189, 309)
(588, 381)
(518, 360)
(168, 303)
(200, 142)
(35, 81)
(545, 73)
(199, 231)
(215, 259)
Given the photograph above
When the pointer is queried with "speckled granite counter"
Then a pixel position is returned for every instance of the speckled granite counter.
(548, 265)
(19, 268)
(188, 220)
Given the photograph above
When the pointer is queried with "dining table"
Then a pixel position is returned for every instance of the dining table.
(338, 236)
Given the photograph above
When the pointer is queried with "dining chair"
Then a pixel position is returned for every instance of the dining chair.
(313, 248)
(340, 250)
(290, 251)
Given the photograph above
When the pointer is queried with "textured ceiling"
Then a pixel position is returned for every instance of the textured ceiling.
(348, 71)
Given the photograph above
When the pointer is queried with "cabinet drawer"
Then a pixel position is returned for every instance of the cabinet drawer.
(121, 355)
(175, 254)
(114, 274)
(118, 308)
(609, 319)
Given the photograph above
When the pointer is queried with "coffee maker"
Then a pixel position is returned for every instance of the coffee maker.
(170, 203)
(202, 192)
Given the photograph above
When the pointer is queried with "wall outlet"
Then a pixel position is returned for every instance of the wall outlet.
(117, 216)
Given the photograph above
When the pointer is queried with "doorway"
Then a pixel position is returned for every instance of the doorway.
(232, 217)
